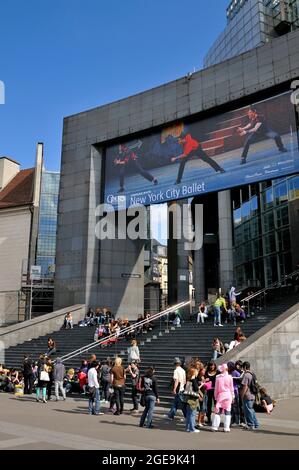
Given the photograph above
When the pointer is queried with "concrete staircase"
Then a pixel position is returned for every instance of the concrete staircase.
(157, 347)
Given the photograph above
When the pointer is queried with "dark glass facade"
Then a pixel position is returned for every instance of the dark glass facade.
(46, 242)
(252, 23)
(265, 228)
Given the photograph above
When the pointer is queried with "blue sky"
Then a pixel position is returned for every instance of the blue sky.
(59, 57)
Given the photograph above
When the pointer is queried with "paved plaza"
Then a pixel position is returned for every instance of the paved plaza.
(25, 424)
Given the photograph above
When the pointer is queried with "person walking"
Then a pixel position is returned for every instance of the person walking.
(149, 389)
(224, 396)
(94, 404)
(191, 394)
(247, 394)
(58, 377)
(178, 386)
(118, 380)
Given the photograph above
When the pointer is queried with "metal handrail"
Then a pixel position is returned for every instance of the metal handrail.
(274, 284)
(128, 329)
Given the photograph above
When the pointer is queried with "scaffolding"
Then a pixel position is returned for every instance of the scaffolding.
(36, 296)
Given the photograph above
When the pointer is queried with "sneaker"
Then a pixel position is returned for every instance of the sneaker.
(116, 413)
(220, 324)
(99, 414)
(196, 430)
(168, 417)
(226, 430)
(214, 429)
(215, 324)
(38, 400)
(44, 400)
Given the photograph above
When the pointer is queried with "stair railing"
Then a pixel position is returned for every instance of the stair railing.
(129, 329)
(262, 293)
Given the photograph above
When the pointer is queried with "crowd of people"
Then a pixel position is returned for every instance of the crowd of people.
(203, 392)
(230, 390)
(225, 309)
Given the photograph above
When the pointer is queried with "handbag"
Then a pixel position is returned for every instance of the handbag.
(44, 376)
(189, 391)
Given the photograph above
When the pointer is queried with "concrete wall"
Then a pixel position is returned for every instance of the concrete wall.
(273, 353)
(8, 307)
(79, 253)
(14, 246)
(40, 326)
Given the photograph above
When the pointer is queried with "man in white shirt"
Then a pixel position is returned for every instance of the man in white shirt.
(178, 386)
(94, 390)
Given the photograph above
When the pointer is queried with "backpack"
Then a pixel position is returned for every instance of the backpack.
(254, 387)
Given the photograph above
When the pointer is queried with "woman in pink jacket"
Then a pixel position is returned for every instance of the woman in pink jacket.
(224, 396)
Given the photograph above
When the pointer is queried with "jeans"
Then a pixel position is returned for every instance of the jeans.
(200, 317)
(255, 136)
(119, 398)
(105, 387)
(216, 354)
(59, 385)
(50, 352)
(135, 397)
(137, 169)
(210, 401)
(28, 384)
(217, 314)
(190, 418)
(150, 401)
(236, 410)
(177, 404)
(198, 153)
(94, 403)
(249, 413)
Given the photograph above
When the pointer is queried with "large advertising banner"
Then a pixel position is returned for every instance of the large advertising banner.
(243, 146)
